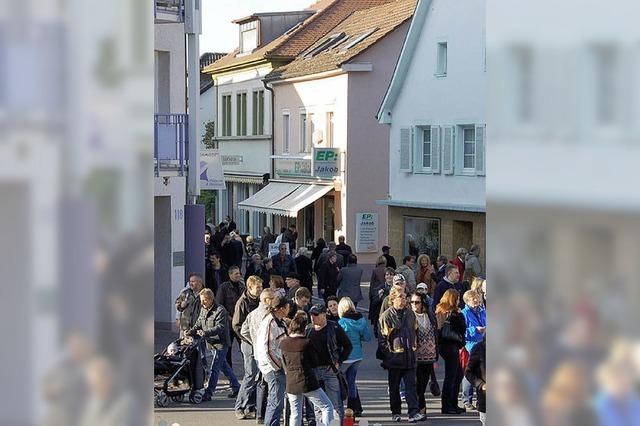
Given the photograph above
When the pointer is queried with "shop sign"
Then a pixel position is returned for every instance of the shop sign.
(326, 162)
(366, 232)
(211, 174)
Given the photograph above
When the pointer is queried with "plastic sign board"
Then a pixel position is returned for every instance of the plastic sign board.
(211, 174)
(366, 232)
(326, 162)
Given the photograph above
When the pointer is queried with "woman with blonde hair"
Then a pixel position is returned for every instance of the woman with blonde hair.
(451, 338)
(357, 329)
(480, 286)
(423, 273)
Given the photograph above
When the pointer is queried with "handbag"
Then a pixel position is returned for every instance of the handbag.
(449, 335)
(464, 358)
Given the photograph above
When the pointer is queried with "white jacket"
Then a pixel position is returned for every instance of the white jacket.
(267, 350)
(252, 323)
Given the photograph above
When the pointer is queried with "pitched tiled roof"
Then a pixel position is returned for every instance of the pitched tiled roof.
(330, 13)
(384, 19)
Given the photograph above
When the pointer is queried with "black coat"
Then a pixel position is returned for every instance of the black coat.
(264, 243)
(391, 261)
(304, 267)
(328, 278)
(476, 373)
(213, 282)
(238, 252)
(244, 305)
(298, 355)
(252, 270)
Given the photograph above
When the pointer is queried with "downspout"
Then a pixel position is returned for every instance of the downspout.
(273, 119)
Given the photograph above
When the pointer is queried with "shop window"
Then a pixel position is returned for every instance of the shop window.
(421, 236)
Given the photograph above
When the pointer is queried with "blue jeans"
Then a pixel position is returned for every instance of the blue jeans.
(246, 397)
(331, 388)
(467, 391)
(219, 363)
(350, 371)
(320, 401)
(276, 383)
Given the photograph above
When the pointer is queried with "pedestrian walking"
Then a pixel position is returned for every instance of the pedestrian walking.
(377, 274)
(475, 318)
(328, 276)
(391, 261)
(267, 238)
(283, 262)
(406, 269)
(304, 267)
(398, 341)
(441, 263)
(332, 347)
(332, 309)
(188, 303)
(400, 284)
(472, 260)
(228, 295)
(356, 328)
(349, 279)
(450, 281)
(213, 325)
(216, 272)
(424, 274)
(249, 301)
(268, 356)
(427, 349)
(301, 381)
(451, 331)
(377, 296)
(459, 260)
(317, 251)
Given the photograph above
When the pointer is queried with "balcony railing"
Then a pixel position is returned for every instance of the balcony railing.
(169, 11)
(170, 142)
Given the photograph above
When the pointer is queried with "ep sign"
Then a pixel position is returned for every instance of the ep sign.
(326, 162)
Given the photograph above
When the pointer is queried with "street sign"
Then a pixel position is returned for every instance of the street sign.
(326, 162)
(211, 174)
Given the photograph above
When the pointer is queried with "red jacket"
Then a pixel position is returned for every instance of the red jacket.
(458, 264)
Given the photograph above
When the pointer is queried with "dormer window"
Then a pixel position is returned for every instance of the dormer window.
(248, 36)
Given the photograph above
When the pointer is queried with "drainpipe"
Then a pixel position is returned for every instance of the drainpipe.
(273, 118)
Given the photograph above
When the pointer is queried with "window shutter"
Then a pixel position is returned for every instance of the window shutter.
(416, 143)
(447, 150)
(405, 150)
(480, 161)
(435, 149)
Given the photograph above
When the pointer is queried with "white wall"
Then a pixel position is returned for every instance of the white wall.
(458, 98)
(171, 38)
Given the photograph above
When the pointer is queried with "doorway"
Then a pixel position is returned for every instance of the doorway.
(328, 221)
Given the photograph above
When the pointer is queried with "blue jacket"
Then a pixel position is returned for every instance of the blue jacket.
(473, 320)
(283, 269)
(357, 329)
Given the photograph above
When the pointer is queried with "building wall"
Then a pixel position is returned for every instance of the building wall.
(368, 140)
(170, 38)
(459, 98)
(167, 287)
(447, 218)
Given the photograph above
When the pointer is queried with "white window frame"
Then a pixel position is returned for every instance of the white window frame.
(312, 129)
(417, 134)
(467, 170)
(286, 132)
(440, 63)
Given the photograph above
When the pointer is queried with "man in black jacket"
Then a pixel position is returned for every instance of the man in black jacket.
(216, 272)
(249, 301)
(267, 238)
(332, 347)
(391, 261)
(342, 248)
(228, 295)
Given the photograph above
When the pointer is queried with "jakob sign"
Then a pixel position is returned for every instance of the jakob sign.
(366, 232)
(326, 162)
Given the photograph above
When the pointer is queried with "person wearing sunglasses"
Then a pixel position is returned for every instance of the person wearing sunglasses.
(427, 351)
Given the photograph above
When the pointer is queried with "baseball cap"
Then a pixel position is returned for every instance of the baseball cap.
(398, 278)
(317, 309)
(422, 286)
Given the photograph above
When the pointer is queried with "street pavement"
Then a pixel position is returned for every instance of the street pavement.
(372, 385)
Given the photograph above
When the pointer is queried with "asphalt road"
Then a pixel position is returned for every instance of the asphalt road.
(372, 385)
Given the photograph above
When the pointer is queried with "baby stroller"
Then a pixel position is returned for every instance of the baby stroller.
(178, 371)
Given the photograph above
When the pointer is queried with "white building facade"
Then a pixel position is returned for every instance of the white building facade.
(435, 107)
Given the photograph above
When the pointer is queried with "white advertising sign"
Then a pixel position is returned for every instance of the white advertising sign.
(211, 174)
(366, 232)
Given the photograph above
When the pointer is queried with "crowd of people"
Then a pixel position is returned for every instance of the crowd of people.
(308, 354)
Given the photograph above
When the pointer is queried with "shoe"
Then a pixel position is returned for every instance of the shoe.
(311, 423)
(470, 407)
(233, 393)
(249, 414)
(206, 397)
(240, 415)
(396, 418)
(460, 410)
(418, 417)
(259, 421)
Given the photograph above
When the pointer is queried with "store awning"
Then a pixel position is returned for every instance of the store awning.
(283, 198)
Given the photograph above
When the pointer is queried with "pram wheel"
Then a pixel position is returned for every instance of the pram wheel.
(178, 398)
(195, 397)
(162, 400)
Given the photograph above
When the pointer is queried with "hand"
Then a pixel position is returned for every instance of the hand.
(200, 333)
(380, 293)
(481, 329)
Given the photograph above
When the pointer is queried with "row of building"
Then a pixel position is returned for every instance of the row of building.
(362, 118)
(356, 118)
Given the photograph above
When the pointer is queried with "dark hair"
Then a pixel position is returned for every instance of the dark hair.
(194, 274)
(233, 268)
(299, 323)
(278, 303)
(292, 226)
(442, 258)
(450, 267)
(321, 243)
(389, 270)
(283, 230)
(303, 292)
(277, 281)
(330, 298)
(207, 228)
(423, 299)
(406, 259)
(353, 259)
